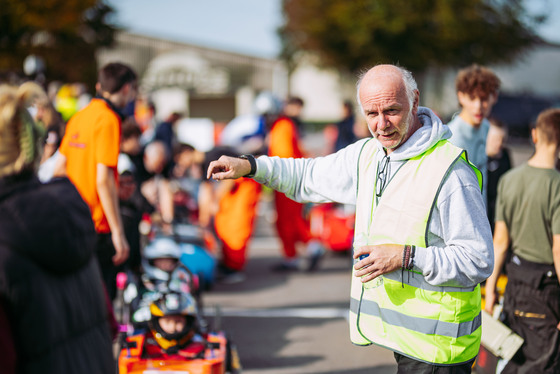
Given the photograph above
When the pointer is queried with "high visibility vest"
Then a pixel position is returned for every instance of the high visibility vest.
(433, 324)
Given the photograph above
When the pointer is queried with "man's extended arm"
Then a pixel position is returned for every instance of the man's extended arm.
(322, 179)
(501, 244)
(107, 191)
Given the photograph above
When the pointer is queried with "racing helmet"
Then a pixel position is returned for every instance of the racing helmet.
(173, 304)
(162, 247)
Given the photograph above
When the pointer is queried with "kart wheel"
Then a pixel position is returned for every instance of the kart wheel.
(233, 363)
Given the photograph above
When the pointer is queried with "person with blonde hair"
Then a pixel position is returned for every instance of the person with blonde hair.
(20, 140)
(53, 308)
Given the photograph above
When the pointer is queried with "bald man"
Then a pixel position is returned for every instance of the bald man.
(422, 240)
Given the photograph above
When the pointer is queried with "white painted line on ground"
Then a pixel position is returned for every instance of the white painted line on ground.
(326, 313)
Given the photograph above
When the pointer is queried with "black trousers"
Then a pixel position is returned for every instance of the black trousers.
(105, 251)
(408, 365)
(532, 310)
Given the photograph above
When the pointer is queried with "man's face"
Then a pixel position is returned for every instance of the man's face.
(127, 186)
(155, 163)
(125, 95)
(475, 108)
(293, 110)
(495, 140)
(388, 113)
(132, 92)
(185, 159)
(131, 146)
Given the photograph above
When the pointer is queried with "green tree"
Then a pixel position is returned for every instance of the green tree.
(64, 33)
(351, 35)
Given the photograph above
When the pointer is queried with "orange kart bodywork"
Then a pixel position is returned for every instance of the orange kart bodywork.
(334, 227)
(212, 362)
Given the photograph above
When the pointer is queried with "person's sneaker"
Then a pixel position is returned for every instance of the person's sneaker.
(229, 276)
(233, 277)
(286, 266)
(315, 251)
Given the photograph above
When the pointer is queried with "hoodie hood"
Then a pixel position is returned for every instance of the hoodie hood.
(431, 132)
(49, 224)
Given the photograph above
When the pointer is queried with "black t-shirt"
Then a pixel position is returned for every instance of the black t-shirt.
(141, 175)
(497, 166)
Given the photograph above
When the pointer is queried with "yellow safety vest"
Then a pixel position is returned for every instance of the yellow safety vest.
(434, 324)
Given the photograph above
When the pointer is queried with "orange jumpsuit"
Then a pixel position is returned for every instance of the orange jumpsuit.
(234, 221)
(290, 224)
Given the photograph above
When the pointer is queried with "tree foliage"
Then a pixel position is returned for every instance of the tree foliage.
(64, 33)
(354, 34)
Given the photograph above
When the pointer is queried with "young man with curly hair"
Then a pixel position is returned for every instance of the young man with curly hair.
(477, 92)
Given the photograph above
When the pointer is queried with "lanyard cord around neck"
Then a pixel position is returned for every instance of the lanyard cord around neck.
(381, 177)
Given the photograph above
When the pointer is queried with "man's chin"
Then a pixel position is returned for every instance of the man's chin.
(390, 145)
(388, 140)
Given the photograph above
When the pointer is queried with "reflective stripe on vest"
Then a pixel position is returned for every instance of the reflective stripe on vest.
(406, 314)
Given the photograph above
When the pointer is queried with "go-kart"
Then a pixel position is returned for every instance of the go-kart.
(213, 356)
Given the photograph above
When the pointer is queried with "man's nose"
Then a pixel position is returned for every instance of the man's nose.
(382, 122)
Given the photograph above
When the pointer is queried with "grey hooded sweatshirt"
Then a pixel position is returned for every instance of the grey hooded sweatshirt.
(460, 251)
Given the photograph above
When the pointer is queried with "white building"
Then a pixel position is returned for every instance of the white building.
(220, 85)
(199, 81)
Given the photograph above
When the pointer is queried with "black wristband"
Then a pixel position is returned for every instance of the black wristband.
(253, 163)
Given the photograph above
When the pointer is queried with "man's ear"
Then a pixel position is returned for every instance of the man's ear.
(98, 87)
(416, 102)
(534, 135)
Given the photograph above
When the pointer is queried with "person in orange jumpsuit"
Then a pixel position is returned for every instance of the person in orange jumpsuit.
(234, 222)
(292, 227)
(232, 205)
